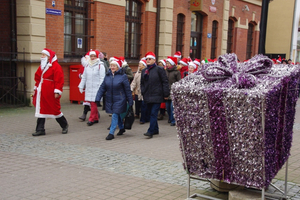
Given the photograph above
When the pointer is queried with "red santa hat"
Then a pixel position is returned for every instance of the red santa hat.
(177, 54)
(172, 60)
(197, 62)
(184, 61)
(192, 64)
(279, 59)
(94, 52)
(50, 53)
(143, 61)
(163, 62)
(117, 61)
(150, 55)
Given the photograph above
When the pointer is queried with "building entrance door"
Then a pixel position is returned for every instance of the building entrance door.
(196, 35)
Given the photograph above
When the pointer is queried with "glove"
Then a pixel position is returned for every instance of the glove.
(81, 90)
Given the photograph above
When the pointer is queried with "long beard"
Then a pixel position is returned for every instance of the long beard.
(44, 62)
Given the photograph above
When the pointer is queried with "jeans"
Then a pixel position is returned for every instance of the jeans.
(115, 120)
(170, 109)
(153, 109)
(144, 114)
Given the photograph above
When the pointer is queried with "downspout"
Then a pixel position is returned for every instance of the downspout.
(13, 29)
(157, 27)
(293, 30)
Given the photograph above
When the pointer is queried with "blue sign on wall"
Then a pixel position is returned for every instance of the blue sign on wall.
(208, 35)
(53, 11)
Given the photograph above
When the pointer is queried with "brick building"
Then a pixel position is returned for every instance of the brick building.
(129, 28)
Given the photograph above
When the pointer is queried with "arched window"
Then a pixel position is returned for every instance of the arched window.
(180, 32)
(213, 53)
(250, 40)
(132, 29)
(230, 36)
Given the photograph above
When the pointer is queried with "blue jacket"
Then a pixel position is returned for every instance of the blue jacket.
(117, 90)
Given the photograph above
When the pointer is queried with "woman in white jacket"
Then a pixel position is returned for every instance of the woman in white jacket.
(92, 79)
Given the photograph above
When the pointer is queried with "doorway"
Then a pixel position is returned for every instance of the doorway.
(196, 35)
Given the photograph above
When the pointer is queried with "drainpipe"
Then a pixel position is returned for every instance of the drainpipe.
(13, 29)
(263, 27)
(157, 27)
(294, 29)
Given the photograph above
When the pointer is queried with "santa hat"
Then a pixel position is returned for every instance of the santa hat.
(117, 61)
(95, 52)
(184, 61)
(150, 55)
(197, 61)
(177, 54)
(51, 54)
(279, 59)
(111, 59)
(203, 62)
(172, 60)
(143, 61)
(163, 62)
(192, 64)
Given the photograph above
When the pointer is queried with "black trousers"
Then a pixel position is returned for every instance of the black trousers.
(40, 123)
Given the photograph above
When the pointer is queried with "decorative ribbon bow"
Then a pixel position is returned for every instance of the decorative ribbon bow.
(244, 76)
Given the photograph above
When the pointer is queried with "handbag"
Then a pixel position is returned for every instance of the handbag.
(129, 118)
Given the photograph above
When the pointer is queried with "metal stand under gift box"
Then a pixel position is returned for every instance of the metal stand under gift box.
(237, 135)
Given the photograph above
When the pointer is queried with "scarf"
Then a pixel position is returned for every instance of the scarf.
(93, 62)
(44, 62)
(147, 71)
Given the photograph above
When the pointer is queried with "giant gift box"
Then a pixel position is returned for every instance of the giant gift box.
(235, 120)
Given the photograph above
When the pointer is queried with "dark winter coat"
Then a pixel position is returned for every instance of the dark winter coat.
(173, 75)
(156, 87)
(117, 90)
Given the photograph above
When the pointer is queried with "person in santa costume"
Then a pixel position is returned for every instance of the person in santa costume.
(92, 78)
(49, 81)
(183, 66)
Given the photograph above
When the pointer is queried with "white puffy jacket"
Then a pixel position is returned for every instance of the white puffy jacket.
(92, 78)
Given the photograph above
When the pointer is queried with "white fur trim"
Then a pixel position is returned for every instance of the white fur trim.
(124, 63)
(34, 88)
(163, 62)
(46, 52)
(196, 62)
(85, 103)
(192, 64)
(143, 63)
(92, 53)
(170, 61)
(58, 91)
(111, 59)
(203, 62)
(184, 63)
(177, 56)
(115, 62)
(48, 116)
(150, 56)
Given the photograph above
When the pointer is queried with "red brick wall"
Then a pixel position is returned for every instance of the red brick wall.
(182, 7)
(240, 35)
(109, 29)
(55, 29)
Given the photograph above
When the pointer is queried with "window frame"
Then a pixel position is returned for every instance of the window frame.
(132, 49)
(214, 38)
(230, 35)
(75, 10)
(250, 40)
(180, 32)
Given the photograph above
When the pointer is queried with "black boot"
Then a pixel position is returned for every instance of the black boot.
(121, 131)
(85, 111)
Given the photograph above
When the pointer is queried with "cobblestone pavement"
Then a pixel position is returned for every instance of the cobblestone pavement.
(83, 165)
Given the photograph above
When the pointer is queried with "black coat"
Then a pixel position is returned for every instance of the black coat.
(156, 87)
(117, 90)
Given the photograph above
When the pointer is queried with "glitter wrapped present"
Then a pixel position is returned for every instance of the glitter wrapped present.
(235, 120)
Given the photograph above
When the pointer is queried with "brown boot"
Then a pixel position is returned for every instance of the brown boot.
(160, 117)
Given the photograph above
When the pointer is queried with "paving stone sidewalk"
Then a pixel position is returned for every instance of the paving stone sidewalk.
(83, 165)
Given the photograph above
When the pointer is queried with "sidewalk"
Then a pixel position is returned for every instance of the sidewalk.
(83, 165)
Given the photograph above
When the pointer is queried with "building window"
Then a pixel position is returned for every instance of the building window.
(132, 29)
(180, 32)
(249, 41)
(75, 28)
(213, 53)
(230, 36)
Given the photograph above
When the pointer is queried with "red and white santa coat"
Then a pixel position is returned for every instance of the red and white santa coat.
(48, 81)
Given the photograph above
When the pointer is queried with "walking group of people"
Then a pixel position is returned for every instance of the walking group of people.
(113, 81)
